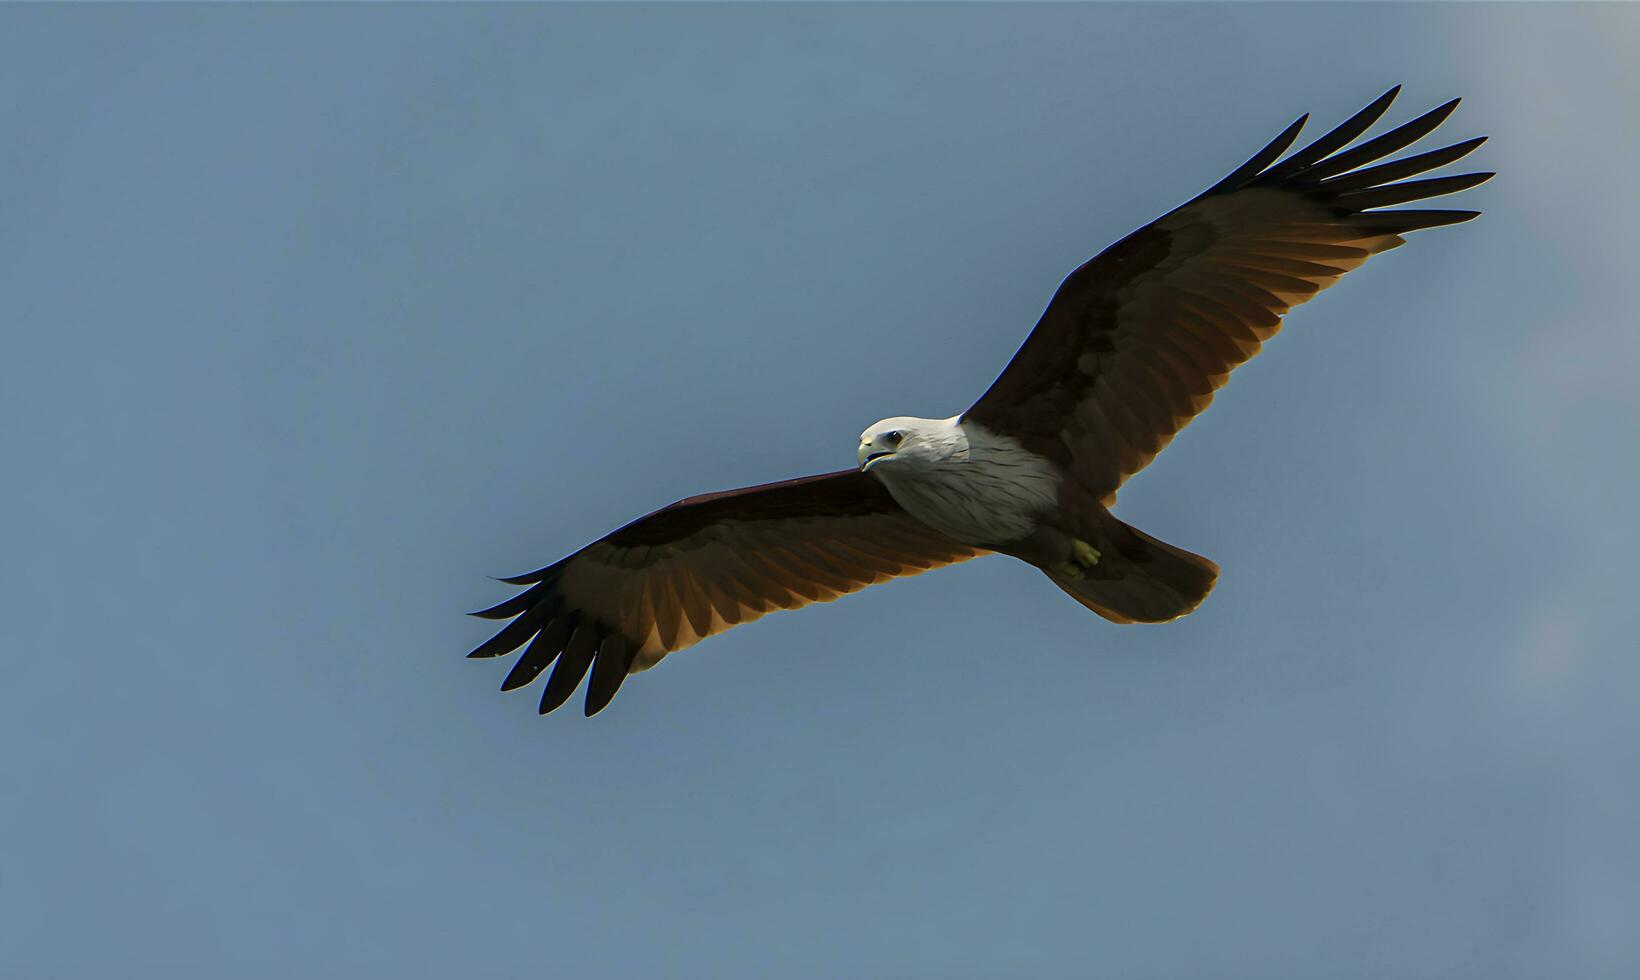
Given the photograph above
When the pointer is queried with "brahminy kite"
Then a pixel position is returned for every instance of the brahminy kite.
(1129, 350)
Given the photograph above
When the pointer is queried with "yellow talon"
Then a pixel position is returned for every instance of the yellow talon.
(1068, 569)
(1085, 554)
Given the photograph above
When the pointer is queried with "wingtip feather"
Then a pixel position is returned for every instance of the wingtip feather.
(1256, 164)
(1334, 139)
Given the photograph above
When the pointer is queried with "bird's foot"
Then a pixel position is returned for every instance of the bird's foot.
(1084, 554)
(1083, 557)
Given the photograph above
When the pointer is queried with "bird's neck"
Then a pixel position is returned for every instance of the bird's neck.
(946, 438)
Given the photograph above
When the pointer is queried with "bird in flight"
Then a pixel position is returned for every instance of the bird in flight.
(1130, 349)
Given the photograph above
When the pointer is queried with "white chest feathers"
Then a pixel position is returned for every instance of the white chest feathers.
(980, 487)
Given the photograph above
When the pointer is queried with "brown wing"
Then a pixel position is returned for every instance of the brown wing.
(1135, 342)
(701, 566)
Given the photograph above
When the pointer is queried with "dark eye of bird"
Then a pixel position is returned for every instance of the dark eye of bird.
(894, 436)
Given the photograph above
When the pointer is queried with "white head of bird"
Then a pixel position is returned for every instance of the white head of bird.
(905, 442)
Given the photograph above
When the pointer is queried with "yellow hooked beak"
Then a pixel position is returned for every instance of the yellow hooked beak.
(868, 454)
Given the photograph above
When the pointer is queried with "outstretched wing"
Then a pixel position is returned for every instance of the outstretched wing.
(1136, 341)
(701, 566)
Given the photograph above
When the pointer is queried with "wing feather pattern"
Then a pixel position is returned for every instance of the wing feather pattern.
(702, 566)
(1135, 342)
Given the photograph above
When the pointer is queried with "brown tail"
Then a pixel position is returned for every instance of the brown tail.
(1139, 579)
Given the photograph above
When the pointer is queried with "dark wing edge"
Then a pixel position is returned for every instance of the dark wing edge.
(701, 566)
(1317, 216)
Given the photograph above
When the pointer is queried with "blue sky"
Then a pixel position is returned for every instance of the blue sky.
(317, 316)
